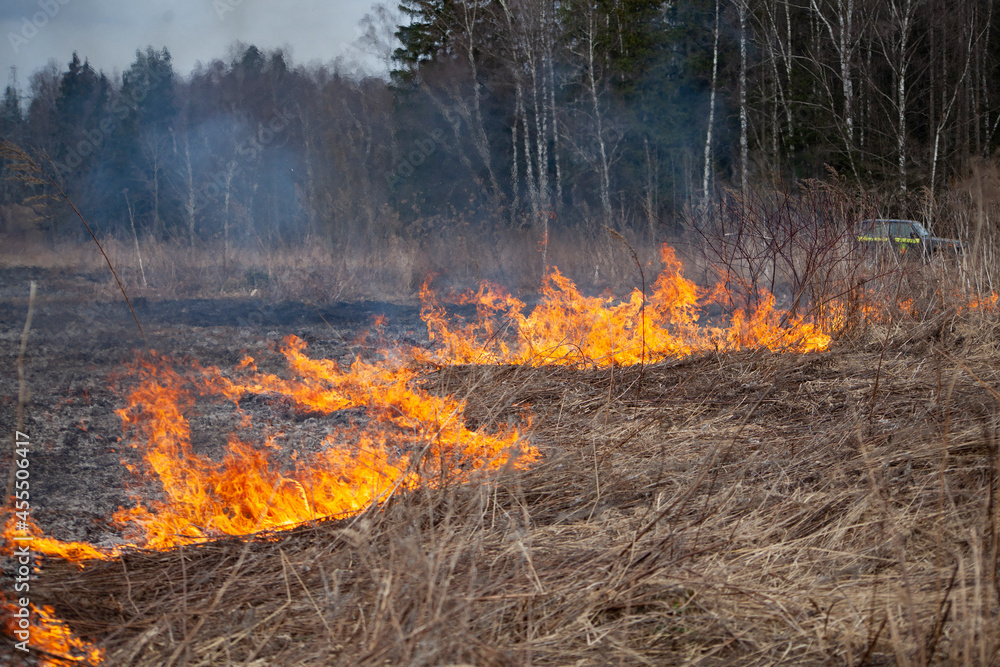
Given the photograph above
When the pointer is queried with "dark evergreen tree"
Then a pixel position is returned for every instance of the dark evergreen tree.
(11, 116)
(144, 160)
(426, 37)
(12, 130)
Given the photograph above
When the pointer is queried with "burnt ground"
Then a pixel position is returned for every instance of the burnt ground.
(744, 508)
(76, 365)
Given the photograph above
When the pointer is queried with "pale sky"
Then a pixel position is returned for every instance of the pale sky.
(108, 33)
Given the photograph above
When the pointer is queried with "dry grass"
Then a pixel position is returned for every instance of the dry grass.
(390, 269)
(742, 509)
(748, 508)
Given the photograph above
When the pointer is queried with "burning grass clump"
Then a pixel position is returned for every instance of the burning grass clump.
(751, 508)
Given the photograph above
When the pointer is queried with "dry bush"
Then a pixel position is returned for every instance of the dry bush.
(798, 247)
(19, 253)
(971, 211)
(801, 249)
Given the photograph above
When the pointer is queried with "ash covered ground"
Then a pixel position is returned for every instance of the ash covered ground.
(76, 367)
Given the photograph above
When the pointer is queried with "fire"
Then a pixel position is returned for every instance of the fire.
(412, 438)
(53, 639)
(408, 437)
(73, 551)
(41, 631)
(571, 329)
(986, 303)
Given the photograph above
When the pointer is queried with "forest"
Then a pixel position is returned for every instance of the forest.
(518, 115)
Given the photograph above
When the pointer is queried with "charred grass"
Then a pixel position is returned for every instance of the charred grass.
(751, 508)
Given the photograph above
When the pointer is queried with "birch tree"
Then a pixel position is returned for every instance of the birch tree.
(899, 56)
(841, 22)
(711, 106)
(741, 10)
(603, 166)
(949, 105)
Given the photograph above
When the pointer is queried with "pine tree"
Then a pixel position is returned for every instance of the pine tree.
(145, 155)
(11, 116)
(425, 38)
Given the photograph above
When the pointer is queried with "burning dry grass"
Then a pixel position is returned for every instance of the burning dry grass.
(734, 506)
(745, 508)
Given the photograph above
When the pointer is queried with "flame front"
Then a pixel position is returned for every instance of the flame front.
(568, 328)
(413, 438)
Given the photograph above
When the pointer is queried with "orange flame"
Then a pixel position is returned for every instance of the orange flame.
(72, 551)
(569, 328)
(45, 634)
(413, 438)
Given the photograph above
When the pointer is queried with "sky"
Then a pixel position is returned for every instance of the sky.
(108, 32)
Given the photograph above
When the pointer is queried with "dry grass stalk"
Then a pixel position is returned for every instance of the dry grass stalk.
(744, 510)
(22, 399)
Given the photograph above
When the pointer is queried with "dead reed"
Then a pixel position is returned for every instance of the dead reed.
(750, 508)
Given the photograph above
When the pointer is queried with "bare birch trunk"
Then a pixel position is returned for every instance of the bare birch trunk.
(711, 106)
(189, 205)
(514, 176)
(741, 9)
(479, 138)
(604, 168)
(529, 174)
(555, 128)
(652, 203)
(845, 40)
(230, 172)
(788, 74)
(946, 113)
(541, 133)
(902, 15)
(311, 199)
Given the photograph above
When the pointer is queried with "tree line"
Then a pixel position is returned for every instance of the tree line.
(519, 113)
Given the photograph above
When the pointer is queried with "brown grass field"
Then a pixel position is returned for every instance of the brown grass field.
(749, 508)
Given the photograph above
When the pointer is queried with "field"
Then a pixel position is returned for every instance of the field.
(729, 506)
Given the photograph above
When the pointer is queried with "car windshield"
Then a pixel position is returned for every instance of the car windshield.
(921, 229)
(871, 227)
(901, 230)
